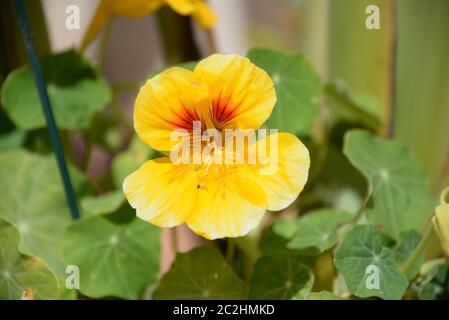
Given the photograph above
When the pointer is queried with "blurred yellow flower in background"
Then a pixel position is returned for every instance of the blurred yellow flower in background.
(198, 9)
(441, 221)
(214, 200)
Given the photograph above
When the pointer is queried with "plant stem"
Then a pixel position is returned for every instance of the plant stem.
(405, 268)
(174, 241)
(177, 37)
(104, 44)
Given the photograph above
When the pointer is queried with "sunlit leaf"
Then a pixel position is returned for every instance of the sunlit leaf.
(114, 259)
(11, 140)
(21, 275)
(317, 231)
(297, 88)
(201, 273)
(76, 93)
(103, 204)
(362, 257)
(399, 198)
(32, 199)
(280, 277)
(407, 243)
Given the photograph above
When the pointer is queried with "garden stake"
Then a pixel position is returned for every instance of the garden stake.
(45, 101)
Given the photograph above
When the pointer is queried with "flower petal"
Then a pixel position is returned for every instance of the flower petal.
(243, 95)
(229, 205)
(162, 193)
(183, 7)
(102, 14)
(284, 175)
(169, 101)
(107, 8)
(133, 8)
(204, 15)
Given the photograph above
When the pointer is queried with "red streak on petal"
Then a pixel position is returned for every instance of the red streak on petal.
(184, 119)
(223, 112)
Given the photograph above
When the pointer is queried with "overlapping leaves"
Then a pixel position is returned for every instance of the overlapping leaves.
(399, 196)
(76, 93)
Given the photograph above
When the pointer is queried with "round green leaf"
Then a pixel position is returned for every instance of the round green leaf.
(103, 204)
(317, 231)
(297, 88)
(360, 251)
(130, 160)
(21, 274)
(399, 196)
(280, 277)
(32, 199)
(114, 259)
(201, 273)
(76, 93)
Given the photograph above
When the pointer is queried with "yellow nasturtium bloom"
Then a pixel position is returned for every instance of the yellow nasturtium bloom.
(214, 200)
(199, 10)
(441, 221)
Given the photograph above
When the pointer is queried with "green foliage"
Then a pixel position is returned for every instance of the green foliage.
(21, 274)
(310, 234)
(32, 199)
(280, 277)
(297, 88)
(12, 140)
(361, 249)
(317, 231)
(398, 198)
(436, 286)
(103, 204)
(407, 243)
(75, 90)
(114, 259)
(201, 274)
(130, 160)
(363, 206)
(353, 107)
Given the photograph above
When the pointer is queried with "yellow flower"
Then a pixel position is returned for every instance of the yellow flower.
(441, 221)
(224, 92)
(199, 10)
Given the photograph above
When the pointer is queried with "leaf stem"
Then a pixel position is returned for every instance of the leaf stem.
(408, 264)
(104, 44)
(174, 241)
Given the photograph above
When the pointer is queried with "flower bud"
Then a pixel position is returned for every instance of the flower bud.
(441, 221)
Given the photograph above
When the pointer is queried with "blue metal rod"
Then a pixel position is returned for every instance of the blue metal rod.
(46, 106)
